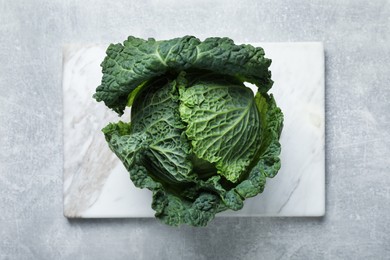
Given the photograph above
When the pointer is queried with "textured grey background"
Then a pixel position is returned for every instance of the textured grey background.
(357, 39)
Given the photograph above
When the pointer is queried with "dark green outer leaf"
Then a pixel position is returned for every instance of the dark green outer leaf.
(136, 61)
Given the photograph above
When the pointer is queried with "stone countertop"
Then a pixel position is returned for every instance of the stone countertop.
(356, 36)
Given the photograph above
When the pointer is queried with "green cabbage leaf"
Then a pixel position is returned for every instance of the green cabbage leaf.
(129, 65)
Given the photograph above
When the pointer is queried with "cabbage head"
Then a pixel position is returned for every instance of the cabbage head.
(199, 139)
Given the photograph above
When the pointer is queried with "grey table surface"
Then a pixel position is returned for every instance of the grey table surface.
(356, 35)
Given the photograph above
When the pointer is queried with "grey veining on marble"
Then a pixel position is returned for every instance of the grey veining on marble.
(97, 185)
(84, 155)
(356, 36)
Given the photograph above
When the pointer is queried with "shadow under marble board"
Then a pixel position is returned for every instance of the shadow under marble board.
(96, 184)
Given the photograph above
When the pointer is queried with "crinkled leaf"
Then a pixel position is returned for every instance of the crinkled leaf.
(268, 163)
(136, 61)
(223, 124)
(173, 210)
(155, 114)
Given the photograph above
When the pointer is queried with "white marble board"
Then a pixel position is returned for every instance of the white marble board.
(96, 184)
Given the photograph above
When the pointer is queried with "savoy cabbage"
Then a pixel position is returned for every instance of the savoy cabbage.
(198, 137)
